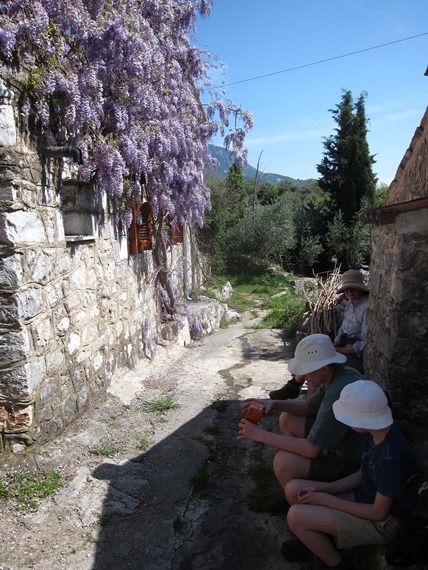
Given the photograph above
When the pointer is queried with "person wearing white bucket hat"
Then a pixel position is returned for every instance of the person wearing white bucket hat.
(308, 426)
(366, 507)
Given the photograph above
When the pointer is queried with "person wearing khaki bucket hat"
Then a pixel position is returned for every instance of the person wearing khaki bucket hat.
(351, 338)
(366, 507)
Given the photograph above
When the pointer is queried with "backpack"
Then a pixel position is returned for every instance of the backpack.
(411, 545)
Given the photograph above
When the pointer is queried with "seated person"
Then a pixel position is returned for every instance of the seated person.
(365, 507)
(308, 426)
(351, 337)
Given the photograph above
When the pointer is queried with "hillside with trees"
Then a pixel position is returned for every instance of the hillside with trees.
(225, 160)
(301, 225)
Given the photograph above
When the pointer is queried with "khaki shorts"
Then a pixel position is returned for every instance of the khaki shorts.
(352, 530)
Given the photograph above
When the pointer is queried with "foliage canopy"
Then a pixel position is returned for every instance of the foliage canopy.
(346, 168)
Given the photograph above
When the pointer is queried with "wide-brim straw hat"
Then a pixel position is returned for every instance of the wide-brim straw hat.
(353, 279)
(363, 404)
(312, 353)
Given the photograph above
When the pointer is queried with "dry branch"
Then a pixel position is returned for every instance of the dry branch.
(324, 315)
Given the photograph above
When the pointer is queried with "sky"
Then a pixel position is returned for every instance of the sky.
(284, 41)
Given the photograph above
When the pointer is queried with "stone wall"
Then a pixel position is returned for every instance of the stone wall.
(74, 306)
(397, 351)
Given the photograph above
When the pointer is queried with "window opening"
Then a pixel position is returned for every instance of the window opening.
(141, 229)
(176, 233)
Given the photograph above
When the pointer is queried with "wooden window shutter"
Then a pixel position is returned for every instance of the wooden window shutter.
(176, 233)
(141, 230)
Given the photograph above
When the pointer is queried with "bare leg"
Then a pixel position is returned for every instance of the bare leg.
(294, 486)
(288, 465)
(314, 526)
(292, 425)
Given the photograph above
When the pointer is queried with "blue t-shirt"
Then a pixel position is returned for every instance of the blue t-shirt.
(385, 468)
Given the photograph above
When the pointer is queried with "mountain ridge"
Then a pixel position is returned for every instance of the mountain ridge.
(225, 160)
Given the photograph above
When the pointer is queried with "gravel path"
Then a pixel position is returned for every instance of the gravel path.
(173, 494)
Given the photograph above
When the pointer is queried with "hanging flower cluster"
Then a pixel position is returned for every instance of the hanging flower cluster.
(125, 82)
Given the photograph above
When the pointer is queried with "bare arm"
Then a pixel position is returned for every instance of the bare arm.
(347, 349)
(297, 407)
(297, 445)
(345, 484)
(377, 511)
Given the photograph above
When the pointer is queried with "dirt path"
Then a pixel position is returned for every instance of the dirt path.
(182, 504)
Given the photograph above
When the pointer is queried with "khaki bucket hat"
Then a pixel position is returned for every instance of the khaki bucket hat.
(352, 279)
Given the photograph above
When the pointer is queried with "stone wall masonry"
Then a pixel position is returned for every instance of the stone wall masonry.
(397, 351)
(411, 178)
(72, 307)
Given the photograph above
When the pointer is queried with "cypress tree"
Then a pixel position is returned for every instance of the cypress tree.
(236, 194)
(346, 168)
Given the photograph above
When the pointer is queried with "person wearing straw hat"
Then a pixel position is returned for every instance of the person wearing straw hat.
(351, 337)
(365, 508)
(308, 426)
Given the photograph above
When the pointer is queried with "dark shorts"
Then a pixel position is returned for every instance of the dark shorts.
(355, 361)
(329, 467)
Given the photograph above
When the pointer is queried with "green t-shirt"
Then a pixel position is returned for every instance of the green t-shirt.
(327, 432)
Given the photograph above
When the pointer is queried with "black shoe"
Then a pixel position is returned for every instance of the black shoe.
(294, 551)
(279, 506)
(288, 392)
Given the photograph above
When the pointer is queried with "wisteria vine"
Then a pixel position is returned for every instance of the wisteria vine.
(125, 83)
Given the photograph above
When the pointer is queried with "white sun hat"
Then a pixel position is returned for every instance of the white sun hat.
(312, 353)
(363, 404)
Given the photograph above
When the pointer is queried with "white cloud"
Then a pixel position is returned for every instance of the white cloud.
(395, 117)
(288, 136)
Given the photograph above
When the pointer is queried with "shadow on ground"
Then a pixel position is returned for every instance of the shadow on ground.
(190, 494)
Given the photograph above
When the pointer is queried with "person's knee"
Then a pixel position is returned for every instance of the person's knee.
(290, 491)
(284, 423)
(293, 517)
(288, 466)
(280, 462)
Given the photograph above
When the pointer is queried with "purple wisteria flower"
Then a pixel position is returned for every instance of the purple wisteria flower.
(128, 92)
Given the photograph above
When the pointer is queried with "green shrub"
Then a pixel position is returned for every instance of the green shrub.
(106, 449)
(292, 313)
(29, 487)
(162, 404)
(219, 405)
